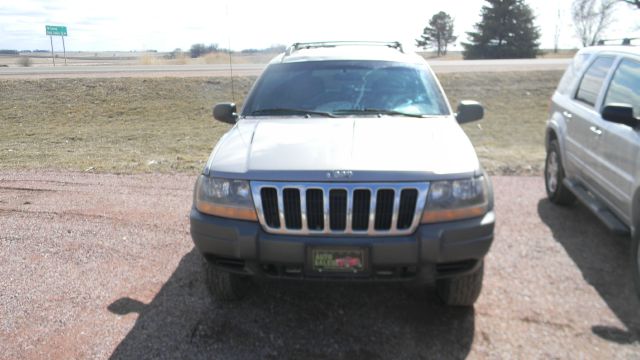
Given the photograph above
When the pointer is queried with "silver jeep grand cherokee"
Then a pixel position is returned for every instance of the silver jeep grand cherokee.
(346, 163)
(593, 144)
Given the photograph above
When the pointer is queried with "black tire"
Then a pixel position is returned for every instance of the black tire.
(635, 261)
(462, 290)
(554, 175)
(225, 286)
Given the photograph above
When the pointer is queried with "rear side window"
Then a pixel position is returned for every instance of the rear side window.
(592, 80)
(625, 86)
(574, 69)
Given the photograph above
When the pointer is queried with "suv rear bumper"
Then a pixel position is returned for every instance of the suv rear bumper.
(433, 251)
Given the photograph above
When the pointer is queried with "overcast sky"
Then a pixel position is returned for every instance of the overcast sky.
(164, 26)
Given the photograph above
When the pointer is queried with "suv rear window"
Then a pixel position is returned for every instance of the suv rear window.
(593, 79)
(342, 86)
(625, 86)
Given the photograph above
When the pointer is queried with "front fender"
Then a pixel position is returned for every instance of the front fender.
(556, 129)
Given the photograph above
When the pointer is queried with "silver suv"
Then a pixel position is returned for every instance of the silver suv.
(345, 163)
(593, 140)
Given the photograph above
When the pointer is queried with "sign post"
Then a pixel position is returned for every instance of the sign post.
(52, 56)
(65, 52)
(52, 31)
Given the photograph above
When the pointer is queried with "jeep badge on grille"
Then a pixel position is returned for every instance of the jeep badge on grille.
(339, 174)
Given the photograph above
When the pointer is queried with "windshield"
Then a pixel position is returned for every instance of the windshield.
(336, 88)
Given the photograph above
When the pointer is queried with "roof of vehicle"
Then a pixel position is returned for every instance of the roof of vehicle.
(617, 49)
(325, 51)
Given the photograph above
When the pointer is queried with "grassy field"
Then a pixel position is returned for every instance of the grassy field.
(510, 139)
(132, 125)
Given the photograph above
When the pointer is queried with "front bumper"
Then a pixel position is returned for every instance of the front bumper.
(433, 251)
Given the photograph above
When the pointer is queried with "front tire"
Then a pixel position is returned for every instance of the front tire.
(225, 286)
(635, 262)
(462, 290)
(554, 177)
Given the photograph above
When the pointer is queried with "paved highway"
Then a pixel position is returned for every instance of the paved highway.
(101, 71)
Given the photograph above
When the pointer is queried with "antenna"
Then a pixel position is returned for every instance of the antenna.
(233, 90)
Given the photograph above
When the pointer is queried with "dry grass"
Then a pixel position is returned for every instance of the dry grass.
(111, 125)
(135, 125)
(211, 58)
(216, 58)
(223, 58)
(149, 59)
(510, 139)
(24, 61)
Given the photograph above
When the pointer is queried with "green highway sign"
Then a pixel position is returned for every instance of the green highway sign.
(56, 30)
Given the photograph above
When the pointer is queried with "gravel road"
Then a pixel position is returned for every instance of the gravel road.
(98, 265)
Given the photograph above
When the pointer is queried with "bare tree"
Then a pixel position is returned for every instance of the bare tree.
(632, 2)
(591, 18)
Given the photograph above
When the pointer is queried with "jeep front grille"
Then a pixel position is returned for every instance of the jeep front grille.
(339, 208)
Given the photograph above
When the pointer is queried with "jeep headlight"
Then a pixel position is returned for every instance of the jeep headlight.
(456, 199)
(225, 198)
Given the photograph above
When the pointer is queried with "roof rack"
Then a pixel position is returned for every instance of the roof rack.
(625, 41)
(324, 44)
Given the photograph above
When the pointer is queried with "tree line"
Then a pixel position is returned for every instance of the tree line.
(507, 29)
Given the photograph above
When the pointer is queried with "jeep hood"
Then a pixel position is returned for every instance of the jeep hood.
(386, 148)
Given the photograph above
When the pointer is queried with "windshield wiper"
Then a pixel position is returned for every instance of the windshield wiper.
(377, 112)
(287, 111)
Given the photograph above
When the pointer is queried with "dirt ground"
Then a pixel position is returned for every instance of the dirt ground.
(99, 265)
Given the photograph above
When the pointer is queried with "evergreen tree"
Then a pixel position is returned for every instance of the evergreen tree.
(439, 33)
(506, 31)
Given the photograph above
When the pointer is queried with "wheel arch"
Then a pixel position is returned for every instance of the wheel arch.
(550, 135)
(556, 131)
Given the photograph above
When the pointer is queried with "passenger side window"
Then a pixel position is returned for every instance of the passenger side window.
(593, 79)
(625, 86)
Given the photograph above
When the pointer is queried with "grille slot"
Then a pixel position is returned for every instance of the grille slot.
(333, 208)
(292, 215)
(361, 204)
(384, 209)
(407, 210)
(270, 206)
(315, 209)
(338, 209)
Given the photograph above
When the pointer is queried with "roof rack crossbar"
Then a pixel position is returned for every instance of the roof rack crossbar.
(624, 41)
(309, 45)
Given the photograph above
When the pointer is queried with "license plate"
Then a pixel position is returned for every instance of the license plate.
(350, 260)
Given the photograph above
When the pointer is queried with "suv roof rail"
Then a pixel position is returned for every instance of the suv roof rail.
(323, 44)
(625, 41)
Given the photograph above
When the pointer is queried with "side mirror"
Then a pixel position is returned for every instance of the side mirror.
(468, 111)
(225, 112)
(620, 114)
